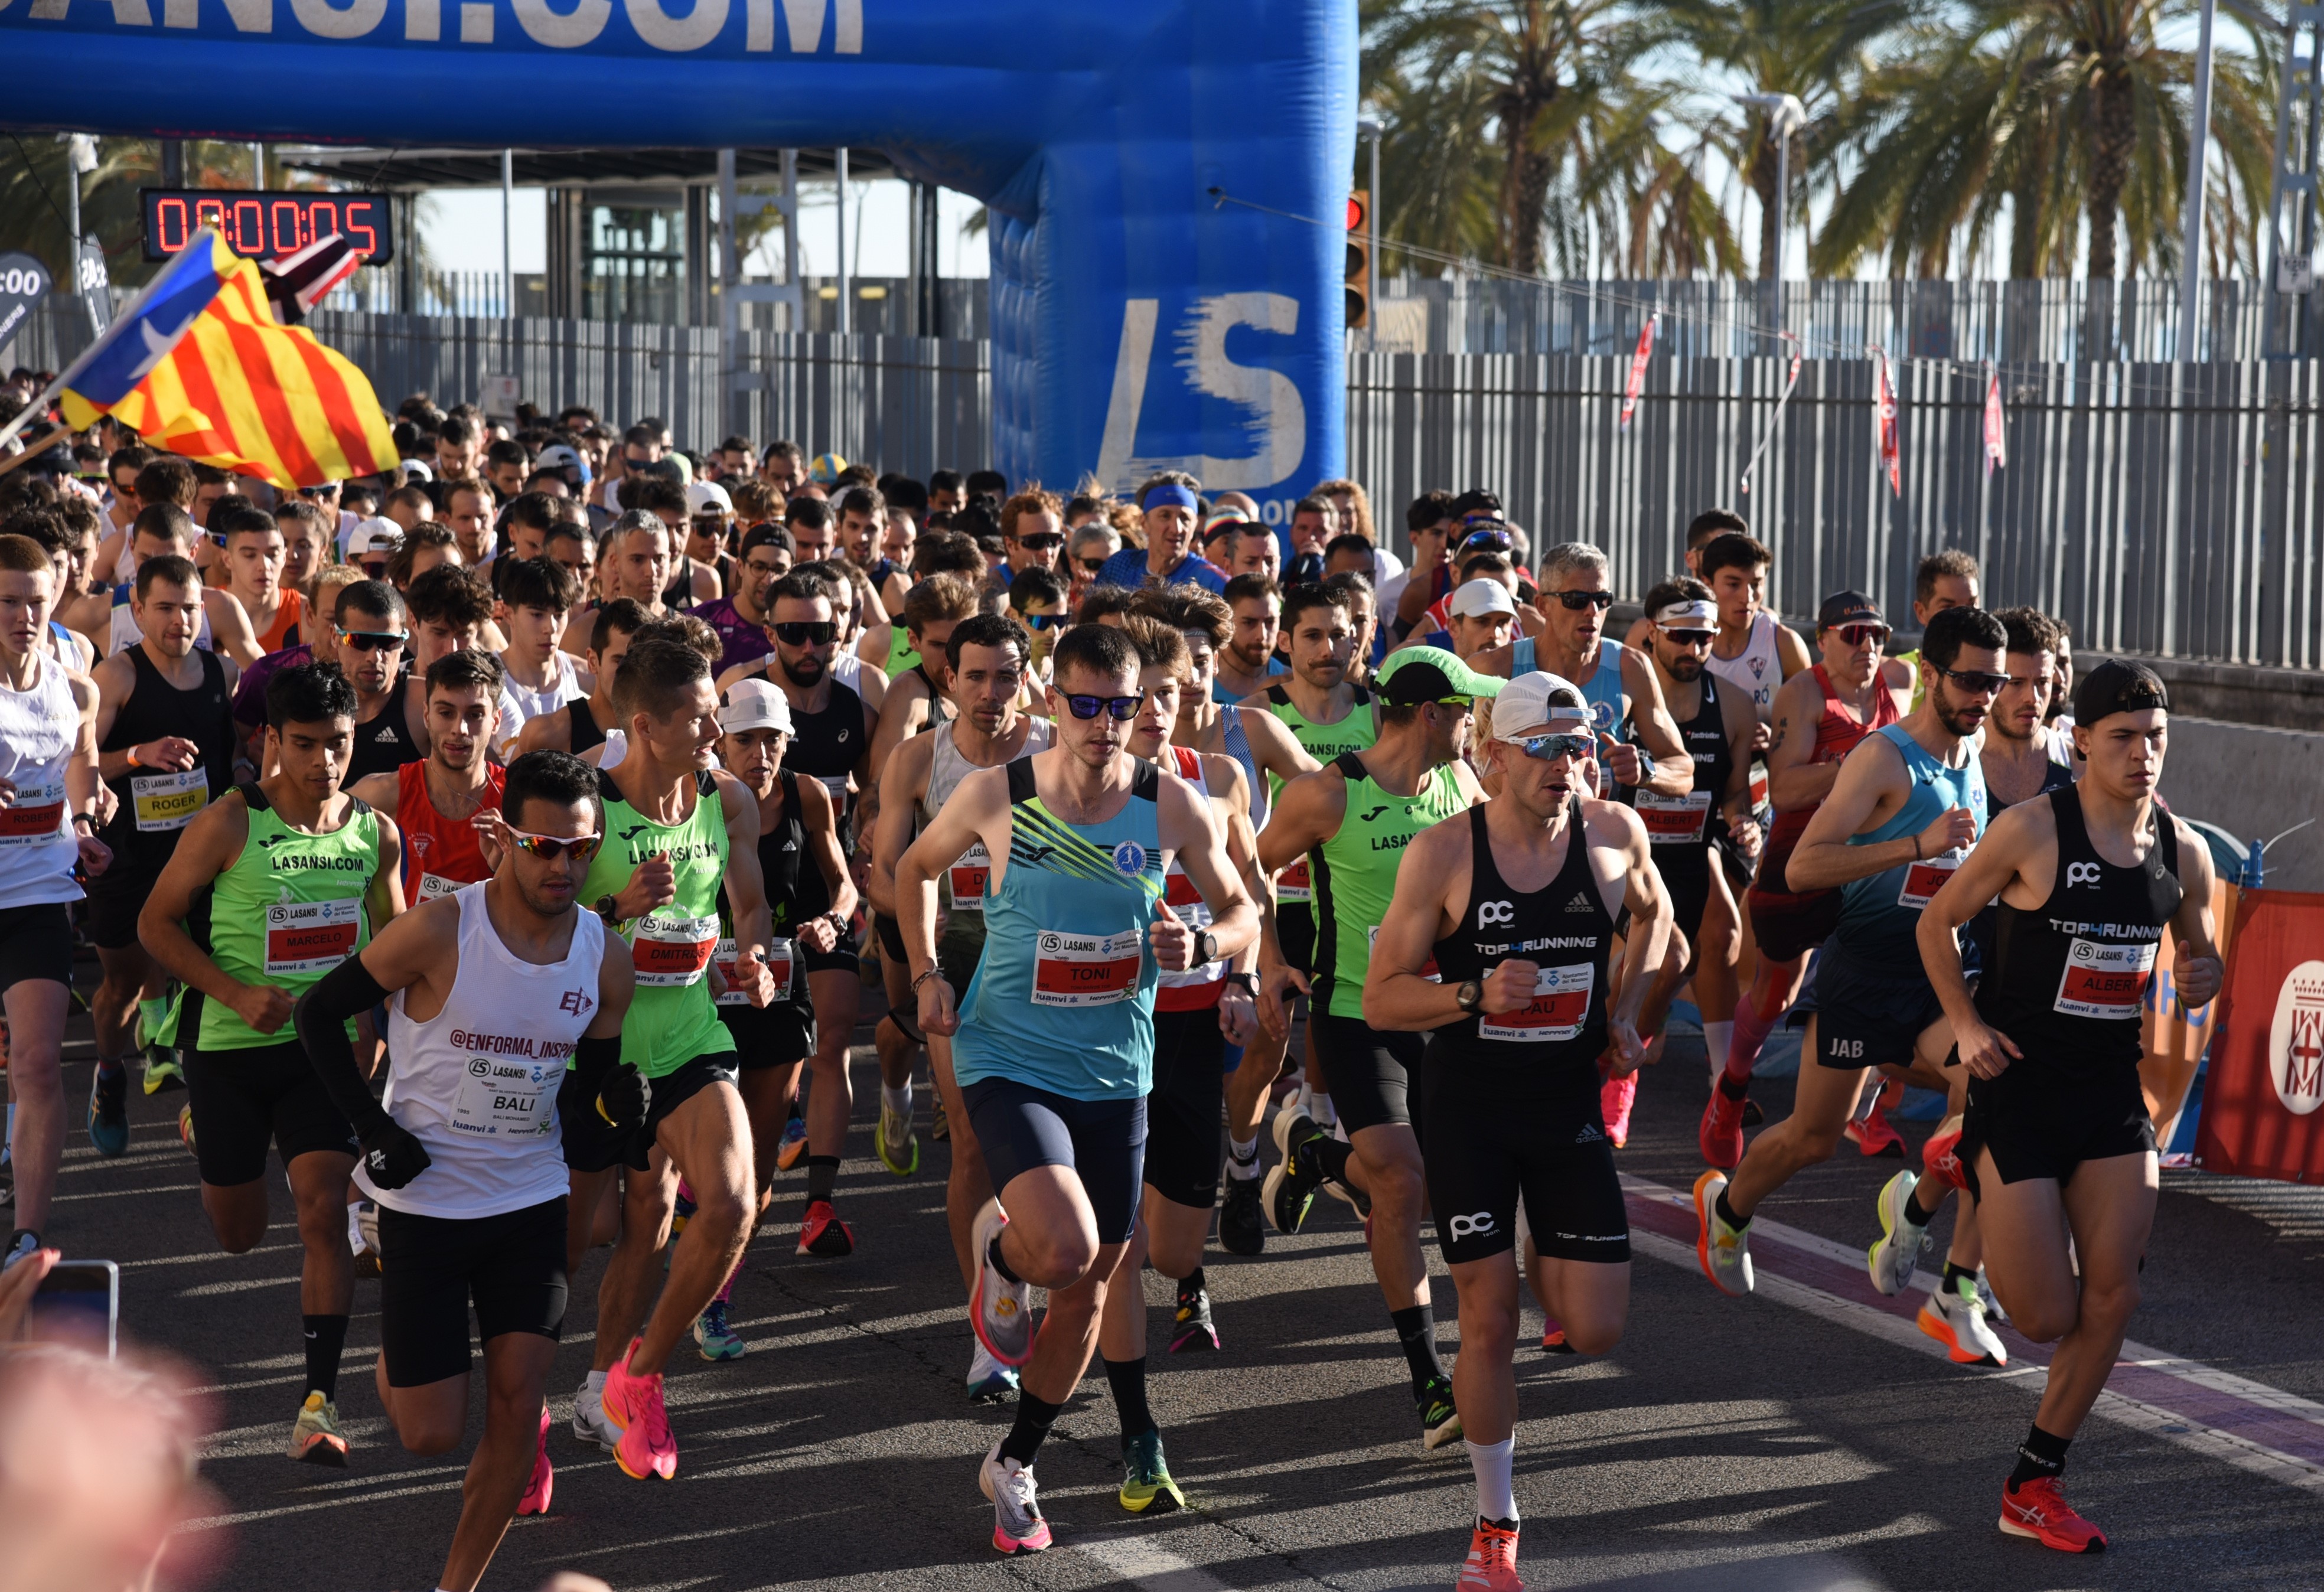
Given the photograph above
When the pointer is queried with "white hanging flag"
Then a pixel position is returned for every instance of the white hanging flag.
(1996, 441)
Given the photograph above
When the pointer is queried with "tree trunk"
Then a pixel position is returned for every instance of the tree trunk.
(1762, 177)
(2113, 132)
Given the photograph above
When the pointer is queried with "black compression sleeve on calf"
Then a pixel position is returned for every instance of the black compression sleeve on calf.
(320, 1017)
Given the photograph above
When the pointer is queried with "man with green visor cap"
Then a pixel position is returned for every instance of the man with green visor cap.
(1353, 819)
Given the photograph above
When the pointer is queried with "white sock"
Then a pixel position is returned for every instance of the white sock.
(1319, 1107)
(898, 1099)
(1243, 1163)
(594, 1383)
(1717, 1038)
(1491, 1463)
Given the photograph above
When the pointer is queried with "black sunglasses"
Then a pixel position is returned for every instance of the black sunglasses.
(1693, 637)
(1044, 621)
(1041, 541)
(1975, 682)
(375, 571)
(807, 632)
(1091, 565)
(1575, 601)
(1122, 708)
(372, 641)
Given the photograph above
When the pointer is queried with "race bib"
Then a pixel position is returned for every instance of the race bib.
(778, 962)
(1292, 885)
(672, 953)
(34, 816)
(966, 878)
(2104, 980)
(1560, 1005)
(836, 783)
(1923, 881)
(435, 887)
(1759, 786)
(1673, 821)
(165, 802)
(1085, 969)
(505, 1098)
(1184, 898)
(311, 936)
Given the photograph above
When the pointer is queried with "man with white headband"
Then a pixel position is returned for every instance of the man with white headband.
(1497, 942)
(1172, 508)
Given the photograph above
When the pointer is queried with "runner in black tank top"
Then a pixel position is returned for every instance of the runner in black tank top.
(1683, 829)
(782, 1032)
(582, 726)
(383, 743)
(2057, 1145)
(828, 744)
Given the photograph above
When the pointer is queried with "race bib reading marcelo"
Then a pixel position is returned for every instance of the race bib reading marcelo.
(311, 936)
(1085, 969)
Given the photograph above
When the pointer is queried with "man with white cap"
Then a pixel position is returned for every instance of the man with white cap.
(1484, 616)
(371, 544)
(1497, 942)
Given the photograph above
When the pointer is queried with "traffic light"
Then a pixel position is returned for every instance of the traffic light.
(1360, 260)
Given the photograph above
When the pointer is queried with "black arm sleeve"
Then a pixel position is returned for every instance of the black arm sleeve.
(594, 1058)
(321, 1015)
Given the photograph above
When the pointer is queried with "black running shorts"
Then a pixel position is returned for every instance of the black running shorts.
(1295, 929)
(512, 1265)
(1686, 873)
(1371, 1073)
(2041, 1122)
(1019, 1128)
(1184, 1151)
(115, 897)
(37, 942)
(244, 1099)
(845, 956)
(1868, 1019)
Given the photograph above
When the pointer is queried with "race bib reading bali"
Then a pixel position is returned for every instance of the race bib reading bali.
(1085, 969)
(168, 801)
(311, 936)
(506, 1097)
(966, 878)
(2102, 980)
(34, 816)
(672, 953)
(1673, 821)
(1923, 881)
(1292, 884)
(779, 963)
(1559, 1004)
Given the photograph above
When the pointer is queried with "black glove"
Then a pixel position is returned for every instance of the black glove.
(623, 1097)
(392, 1155)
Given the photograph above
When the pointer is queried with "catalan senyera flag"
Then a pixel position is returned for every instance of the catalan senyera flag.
(200, 366)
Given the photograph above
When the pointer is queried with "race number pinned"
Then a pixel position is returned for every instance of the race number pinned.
(965, 879)
(1293, 883)
(2104, 980)
(435, 887)
(1674, 820)
(672, 953)
(1923, 881)
(165, 802)
(1559, 1007)
(311, 936)
(1085, 969)
(34, 816)
(779, 963)
(508, 1099)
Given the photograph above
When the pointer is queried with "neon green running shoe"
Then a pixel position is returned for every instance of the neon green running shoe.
(1146, 1484)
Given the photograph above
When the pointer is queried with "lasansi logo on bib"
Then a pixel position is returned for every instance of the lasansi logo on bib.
(2295, 1044)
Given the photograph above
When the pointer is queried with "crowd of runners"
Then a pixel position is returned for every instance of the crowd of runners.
(506, 847)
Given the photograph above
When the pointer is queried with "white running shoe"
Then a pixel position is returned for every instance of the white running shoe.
(988, 1381)
(1892, 1257)
(1724, 1252)
(1017, 1523)
(589, 1422)
(1001, 1311)
(1955, 1317)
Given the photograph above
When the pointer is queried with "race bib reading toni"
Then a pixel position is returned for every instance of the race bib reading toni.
(672, 953)
(1923, 881)
(1560, 1005)
(1673, 821)
(34, 816)
(311, 936)
(1085, 969)
(2102, 980)
(165, 802)
(966, 878)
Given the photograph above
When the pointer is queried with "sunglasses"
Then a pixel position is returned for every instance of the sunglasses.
(372, 641)
(1489, 541)
(1575, 601)
(549, 848)
(807, 632)
(1040, 542)
(375, 571)
(1091, 565)
(1693, 637)
(1563, 743)
(1122, 708)
(1973, 681)
(318, 491)
(1044, 621)
(1858, 635)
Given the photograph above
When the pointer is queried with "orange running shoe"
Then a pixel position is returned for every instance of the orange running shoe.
(633, 1407)
(1492, 1563)
(1552, 1340)
(2037, 1509)
(544, 1474)
(1873, 1135)
(1941, 1157)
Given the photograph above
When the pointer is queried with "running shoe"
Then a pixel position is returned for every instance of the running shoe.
(1492, 1563)
(1552, 1340)
(1724, 1252)
(1000, 1311)
(898, 1145)
(186, 1127)
(1941, 1157)
(1017, 1523)
(1955, 1317)
(823, 1234)
(589, 1423)
(315, 1437)
(163, 1071)
(939, 1124)
(1146, 1484)
(1720, 1136)
(2037, 1509)
(1893, 1257)
(1242, 1230)
(537, 1491)
(715, 1336)
(1193, 1330)
(634, 1409)
(793, 1145)
(1615, 1097)
(24, 1241)
(988, 1381)
(1991, 1301)
(109, 1108)
(1289, 1191)
(1872, 1135)
(1440, 1423)
(1753, 1116)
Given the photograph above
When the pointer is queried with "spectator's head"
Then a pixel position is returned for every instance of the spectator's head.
(1946, 579)
(1032, 530)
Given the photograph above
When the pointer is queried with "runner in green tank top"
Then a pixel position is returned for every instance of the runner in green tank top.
(1353, 818)
(272, 886)
(677, 827)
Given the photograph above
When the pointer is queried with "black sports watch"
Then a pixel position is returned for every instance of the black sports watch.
(1205, 948)
(609, 909)
(1470, 997)
(1244, 982)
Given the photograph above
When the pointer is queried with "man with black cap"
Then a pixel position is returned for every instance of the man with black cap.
(2058, 1149)
(1908, 804)
(1352, 818)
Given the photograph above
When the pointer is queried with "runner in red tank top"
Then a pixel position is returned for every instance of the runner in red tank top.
(1821, 713)
(437, 799)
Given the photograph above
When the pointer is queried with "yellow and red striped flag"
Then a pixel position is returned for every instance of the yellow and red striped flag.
(199, 367)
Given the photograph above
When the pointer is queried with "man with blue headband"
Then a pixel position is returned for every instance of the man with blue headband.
(1172, 508)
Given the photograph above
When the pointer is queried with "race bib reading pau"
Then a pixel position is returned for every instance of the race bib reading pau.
(1673, 821)
(1559, 1004)
(1923, 881)
(778, 962)
(1085, 969)
(311, 936)
(168, 801)
(672, 953)
(34, 816)
(1292, 884)
(2104, 980)
(965, 879)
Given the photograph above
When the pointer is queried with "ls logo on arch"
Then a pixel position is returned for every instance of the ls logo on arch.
(1276, 426)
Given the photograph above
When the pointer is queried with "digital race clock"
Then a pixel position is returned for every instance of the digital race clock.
(261, 226)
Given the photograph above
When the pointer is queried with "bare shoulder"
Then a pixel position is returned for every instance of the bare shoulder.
(1612, 824)
(376, 790)
(84, 691)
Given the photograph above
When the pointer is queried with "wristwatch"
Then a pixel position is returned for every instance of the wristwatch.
(1470, 997)
(1206, 949)
(608, 908)
(1244, 982)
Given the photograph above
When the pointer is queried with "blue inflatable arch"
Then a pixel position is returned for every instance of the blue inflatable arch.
(1137, 325)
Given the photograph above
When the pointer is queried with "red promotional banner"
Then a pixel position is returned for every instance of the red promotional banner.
(1997, 437)
(2266, 1077)
(1883, 417)
(1637, 381)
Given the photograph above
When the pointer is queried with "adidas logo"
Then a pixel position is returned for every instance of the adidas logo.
(1579, 904)
(1588, 1136)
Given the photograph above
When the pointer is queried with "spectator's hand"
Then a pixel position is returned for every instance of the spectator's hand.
(18, 1283)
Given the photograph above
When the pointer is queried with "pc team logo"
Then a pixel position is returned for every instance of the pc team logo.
(2295, 1045)
(1130, 859)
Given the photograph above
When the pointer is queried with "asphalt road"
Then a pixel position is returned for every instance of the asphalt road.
(1788, 1441)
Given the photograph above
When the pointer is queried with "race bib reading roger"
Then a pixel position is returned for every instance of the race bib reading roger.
(1559, 1004)
(965, 879)
(1673, 821)
(671, 952)
(1923, 881)
(168, 801)
(311, 936)
(1085, 969)
(2102, 980)
(34, 816)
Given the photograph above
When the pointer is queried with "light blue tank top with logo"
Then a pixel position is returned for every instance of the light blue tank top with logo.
(1063, 996)
(1602, 690)
(1879, 915)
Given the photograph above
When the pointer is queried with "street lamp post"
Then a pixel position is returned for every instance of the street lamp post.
(1786, 116)
(2198, 136)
